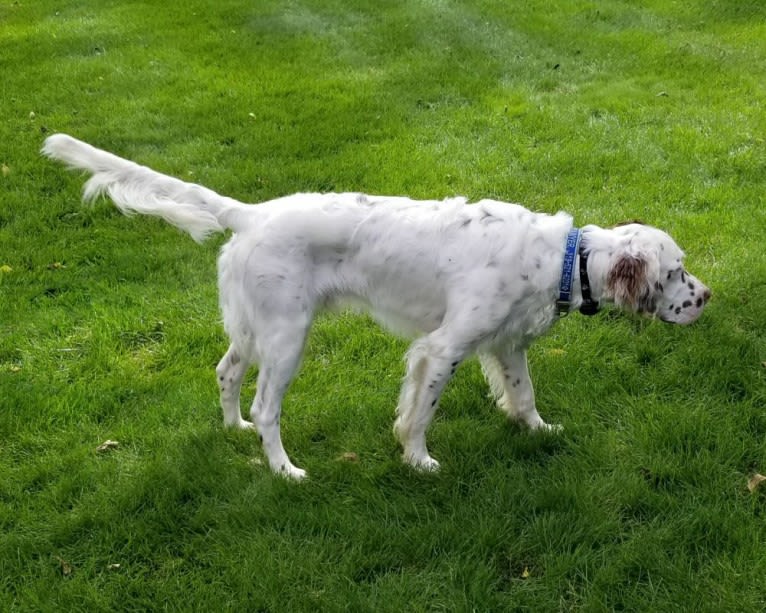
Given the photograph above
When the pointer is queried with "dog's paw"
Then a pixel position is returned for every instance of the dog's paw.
(552, 428)
(422, 464)
(290, 471)
(240, 424)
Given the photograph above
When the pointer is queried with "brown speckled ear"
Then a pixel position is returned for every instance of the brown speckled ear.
(628, 281)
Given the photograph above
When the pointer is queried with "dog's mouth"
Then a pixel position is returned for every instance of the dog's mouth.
(683, 318)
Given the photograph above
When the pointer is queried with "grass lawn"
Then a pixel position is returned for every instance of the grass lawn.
(109, 326)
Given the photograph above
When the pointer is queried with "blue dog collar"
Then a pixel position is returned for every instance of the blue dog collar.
(567, 271)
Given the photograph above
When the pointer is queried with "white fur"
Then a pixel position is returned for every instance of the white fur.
(460, 278)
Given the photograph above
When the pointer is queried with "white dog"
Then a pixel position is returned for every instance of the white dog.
(486, 278)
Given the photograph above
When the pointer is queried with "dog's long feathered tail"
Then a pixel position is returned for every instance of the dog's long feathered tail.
(138, 189)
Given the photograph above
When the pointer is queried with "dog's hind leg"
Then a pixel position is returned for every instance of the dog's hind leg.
(230, 371)
(431, 362)
(280, 347)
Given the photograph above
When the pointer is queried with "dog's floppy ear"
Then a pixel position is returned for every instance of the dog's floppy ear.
(631, 279)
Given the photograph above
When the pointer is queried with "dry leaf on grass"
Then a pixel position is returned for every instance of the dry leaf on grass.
(526, 573)
(107, 446)
(65, 567)
(5, 269)
(349, 456)
(5, 170)
(755, 481)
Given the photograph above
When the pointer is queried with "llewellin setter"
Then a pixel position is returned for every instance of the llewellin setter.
(485, 278)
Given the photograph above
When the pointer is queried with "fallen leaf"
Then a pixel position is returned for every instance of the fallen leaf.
(32, 115)
(15, 368)
(5, 170)
(557, 352)
(65, 567)
(107, 446)
(5, 269)
(255, 462)
(349, 456)
(755, 481)
(114, 567)
(525, 574)
(56, 266)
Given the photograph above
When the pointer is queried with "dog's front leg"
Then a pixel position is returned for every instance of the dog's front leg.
(507, 372)
(430, 365)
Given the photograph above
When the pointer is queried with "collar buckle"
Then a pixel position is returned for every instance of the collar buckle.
(562, 306)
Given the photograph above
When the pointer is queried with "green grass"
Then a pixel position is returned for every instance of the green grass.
(109, 326)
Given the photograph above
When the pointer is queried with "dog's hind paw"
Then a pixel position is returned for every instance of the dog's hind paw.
(424, 465)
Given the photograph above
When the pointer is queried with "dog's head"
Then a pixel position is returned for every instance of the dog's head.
(645, 274)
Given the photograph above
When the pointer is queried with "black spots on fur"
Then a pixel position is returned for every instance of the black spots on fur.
(525, 277)
(455, 364)
(690, 285)
(492, 264)
(516, 383)
(670, 274)
(683, 277)
(433, 402)
(698, 304)
(538, 263)
(686, 304)
(671, 307)
(234, 358)
(678, 310)
(658, 286)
